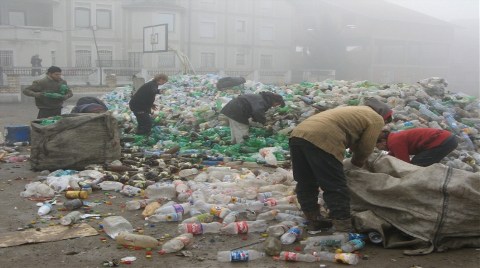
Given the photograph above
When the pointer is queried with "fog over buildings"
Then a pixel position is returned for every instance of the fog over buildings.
(271, 41)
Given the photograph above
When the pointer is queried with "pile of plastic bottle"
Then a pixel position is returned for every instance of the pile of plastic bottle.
(188, 116)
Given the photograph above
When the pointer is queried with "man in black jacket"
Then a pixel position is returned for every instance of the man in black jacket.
(242, 108)
(142, 105)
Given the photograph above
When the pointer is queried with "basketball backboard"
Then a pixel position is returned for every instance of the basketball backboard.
(155, 38)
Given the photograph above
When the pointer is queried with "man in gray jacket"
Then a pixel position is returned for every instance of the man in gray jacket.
(50, 92)
(242, 108)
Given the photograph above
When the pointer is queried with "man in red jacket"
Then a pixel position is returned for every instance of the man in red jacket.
(428, 145)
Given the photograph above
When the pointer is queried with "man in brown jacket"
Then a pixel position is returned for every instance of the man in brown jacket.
(317, 147)
(49, 93)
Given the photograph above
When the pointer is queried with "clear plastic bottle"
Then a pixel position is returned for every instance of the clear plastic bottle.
(294, 212)
(289, 217)
(231, 217)
(268, 216)
(113, 225)
(201, 218)
(169, 217)
(200, 228)
(219, 211)
(292, 256)
(243, 227)
(136, 240)
(291, 235)
(252, 206)
(129, 190)
(111, 185)
(239, 255)
(334, 238)
(161, 190)
(138, 204)
(279, 229)
(177, 243)
(352, 245)
(71, 218)
(425, 111)
(187, 172)
(73, 204)
(44, 209)
(345, 258)
(183, 209)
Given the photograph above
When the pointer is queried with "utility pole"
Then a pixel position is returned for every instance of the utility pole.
(94, 27)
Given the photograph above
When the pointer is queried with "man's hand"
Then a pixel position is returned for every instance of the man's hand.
(154, 107)
(349, 164)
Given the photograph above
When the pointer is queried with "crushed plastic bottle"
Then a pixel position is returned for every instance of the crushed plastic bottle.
(177, 243)
(291, 235)
(113, 225)
(239, 255)
(136, 240)
(272, 246)
(296, 257)
(243, 227)
(71, 218)
(345, 258)
(200, 228)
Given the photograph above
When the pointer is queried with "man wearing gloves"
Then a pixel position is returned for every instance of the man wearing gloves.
(428, 145)
(317, 147)
(242, 108)
(142, 105)
(50, 92)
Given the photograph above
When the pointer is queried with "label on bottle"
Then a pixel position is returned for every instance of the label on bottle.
(290, 256)
(239, 256)
(178, 208)
(216, 211)
(296, 231)
(271, 202)
(194, 228)
(242, 227)
(203, 217)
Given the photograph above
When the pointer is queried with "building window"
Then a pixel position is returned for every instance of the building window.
(6, 58)
(106, 57)
(104, 19)
(266, 61)
(82, 17)
(240, 26)
(266, 33)
(207, 59)
(165, 18)
(208, 29)
(83, 58)
(16, 18)
(166, 60)
(240, 59)
(135, 59)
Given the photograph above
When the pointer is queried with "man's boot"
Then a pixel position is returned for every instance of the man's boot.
(316, 222)
(343, 226)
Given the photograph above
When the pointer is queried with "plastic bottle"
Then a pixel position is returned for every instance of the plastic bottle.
(289, 217)
(292, 256)
(263, 196)
(177, 243)
(341, 237)
(201, 218)
(425, 111)
(252, 206)
(215, 210)
(239, 255)
(291, 235)
(44, 209)
(375, 237)
(150, 209)
(138, 204)
(76, 194)
(159, 190)
(111, 185)
(187, 172)
(200, 228)
(272, 246)
(129, 190)
(71, 218)
(169, 217)
(183, 209)
(268, 216)
(279, 229)
(294, 212)
(352, 245)
(243, 227)
(136, 240)
(345, 258)
(73, 204)
(113, 225)
(231, 217)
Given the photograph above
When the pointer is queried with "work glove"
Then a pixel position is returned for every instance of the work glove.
(53, 95)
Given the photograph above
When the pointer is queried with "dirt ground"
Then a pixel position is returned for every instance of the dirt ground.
(18, 212)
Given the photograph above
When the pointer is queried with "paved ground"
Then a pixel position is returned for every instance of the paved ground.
(91, 251)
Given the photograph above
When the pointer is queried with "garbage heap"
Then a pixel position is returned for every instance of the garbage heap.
(188, 116)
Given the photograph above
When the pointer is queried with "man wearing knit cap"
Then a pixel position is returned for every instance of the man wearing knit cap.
(317, 147)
